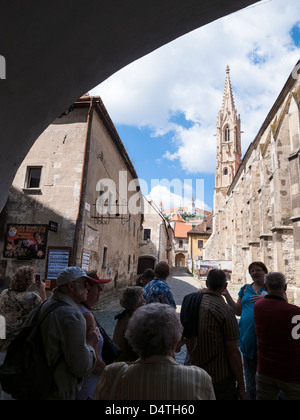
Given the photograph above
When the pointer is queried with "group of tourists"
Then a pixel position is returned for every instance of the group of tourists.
(246, 349)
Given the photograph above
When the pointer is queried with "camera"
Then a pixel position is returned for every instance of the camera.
(37, 278)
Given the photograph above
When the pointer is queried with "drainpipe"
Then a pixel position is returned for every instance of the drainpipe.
(159, 243)
(81, 207)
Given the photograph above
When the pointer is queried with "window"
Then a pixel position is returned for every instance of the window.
(147, 234)
(129, 263)
(226, 171)
(200, 244)
(104, 259)
(33, 178)
(227, 134)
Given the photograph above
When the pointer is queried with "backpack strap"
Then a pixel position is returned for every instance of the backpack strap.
(37, 320)
(52, 307)
(35, 317)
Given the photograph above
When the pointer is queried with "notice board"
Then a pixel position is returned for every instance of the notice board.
(58, 258)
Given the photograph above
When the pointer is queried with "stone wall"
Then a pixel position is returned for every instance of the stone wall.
(260, 219)
(76, 152)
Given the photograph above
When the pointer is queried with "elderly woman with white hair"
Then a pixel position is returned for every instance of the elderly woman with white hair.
(154, 331)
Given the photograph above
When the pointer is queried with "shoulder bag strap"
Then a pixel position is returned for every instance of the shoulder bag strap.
(51, 307)
(245, 289)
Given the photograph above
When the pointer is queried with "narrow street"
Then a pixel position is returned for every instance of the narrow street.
(181, 284)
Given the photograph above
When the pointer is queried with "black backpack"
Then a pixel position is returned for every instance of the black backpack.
(25, 373)
(189, 315)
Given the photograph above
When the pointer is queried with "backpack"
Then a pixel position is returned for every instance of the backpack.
(25, 373)
(189, 315)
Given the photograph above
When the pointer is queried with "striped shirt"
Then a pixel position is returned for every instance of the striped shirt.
(157, 378)
(217, 326)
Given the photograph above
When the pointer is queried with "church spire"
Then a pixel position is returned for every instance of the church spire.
(228, 139)
(228, 99)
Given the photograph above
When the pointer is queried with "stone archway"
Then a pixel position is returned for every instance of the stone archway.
(144, 263)
(180, 261)
(55, 51)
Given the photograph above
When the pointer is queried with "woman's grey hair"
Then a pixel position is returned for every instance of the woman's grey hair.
(154, 329)
(275, 281)
(131, 297)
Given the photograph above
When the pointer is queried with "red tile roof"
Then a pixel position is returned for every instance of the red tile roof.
(177, 218)
(181, 230)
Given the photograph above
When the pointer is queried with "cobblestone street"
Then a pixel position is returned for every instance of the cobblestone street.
(181, 284)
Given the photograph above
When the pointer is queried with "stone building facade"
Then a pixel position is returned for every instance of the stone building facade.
(75, 187)
(198, 237)
(156, 239)
(257, 216)
(180, 245)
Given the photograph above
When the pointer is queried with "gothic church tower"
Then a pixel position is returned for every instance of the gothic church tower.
(228, 145)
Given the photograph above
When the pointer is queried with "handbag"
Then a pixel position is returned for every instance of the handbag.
(110, 351)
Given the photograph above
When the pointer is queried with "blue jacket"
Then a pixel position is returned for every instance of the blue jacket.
(158, 291)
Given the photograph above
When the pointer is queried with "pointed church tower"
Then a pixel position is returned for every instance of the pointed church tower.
(228, 140)
(229, 156)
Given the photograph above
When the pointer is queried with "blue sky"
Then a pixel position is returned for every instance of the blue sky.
(165, 105)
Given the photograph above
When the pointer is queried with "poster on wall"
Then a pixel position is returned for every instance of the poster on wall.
(205, 266)
(25, 241)
(85, 260)
(58, 259)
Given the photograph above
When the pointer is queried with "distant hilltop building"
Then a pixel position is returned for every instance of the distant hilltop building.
(189, 211)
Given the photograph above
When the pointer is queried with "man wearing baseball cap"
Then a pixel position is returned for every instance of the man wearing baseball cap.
(96, 287)
(67, 343)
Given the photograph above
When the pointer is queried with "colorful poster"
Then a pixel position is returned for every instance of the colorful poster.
(206, 266)
(25, 241)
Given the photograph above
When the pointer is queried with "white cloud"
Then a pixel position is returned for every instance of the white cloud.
(196, 150)
(186, 77)
(163, 194)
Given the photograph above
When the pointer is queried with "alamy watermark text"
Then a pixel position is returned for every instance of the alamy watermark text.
(296, 330)
(126, 197)
(2, 67)
(2, 328)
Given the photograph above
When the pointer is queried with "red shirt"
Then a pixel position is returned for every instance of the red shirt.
(278, 351)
